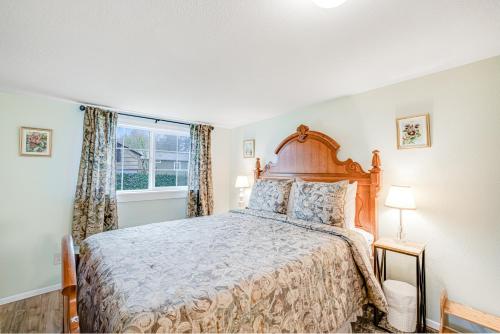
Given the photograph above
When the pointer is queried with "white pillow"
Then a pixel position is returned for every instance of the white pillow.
(350, 206)
(366, 235)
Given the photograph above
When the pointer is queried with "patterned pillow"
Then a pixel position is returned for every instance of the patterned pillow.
(270, 195)
(320, 202)
(289, 209)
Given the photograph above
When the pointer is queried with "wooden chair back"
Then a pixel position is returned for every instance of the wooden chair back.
(449, 307)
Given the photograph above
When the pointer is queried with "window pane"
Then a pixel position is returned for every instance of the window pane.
(171, 155)
(165, 156)
(135, 160)
(165, 178)
(166, 142)
(135, 180)
(182, 157)
(118, 167)
(118, 155)
(184, 144)
(135, 169)
(137, 139)
(132, 158)
(165, 164)
(181, 178)
(120, 134)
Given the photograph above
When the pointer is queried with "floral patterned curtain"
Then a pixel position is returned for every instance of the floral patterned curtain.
(95, 208)
(200, 200)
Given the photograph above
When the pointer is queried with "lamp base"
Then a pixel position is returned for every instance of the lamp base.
(401, 235)
(241, 202)
(400, 240)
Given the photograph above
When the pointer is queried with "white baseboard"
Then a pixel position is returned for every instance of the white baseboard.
(432, 324)
(29, 294)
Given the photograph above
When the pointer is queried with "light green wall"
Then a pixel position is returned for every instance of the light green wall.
(457, 181)
(146, 212)
(36, 192)
(36, 197)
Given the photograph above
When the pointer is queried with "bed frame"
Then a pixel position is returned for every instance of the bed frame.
(309, 155)
(71, 323)
(312, 156)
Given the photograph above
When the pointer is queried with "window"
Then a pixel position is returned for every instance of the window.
(172, 159)
(151, 158)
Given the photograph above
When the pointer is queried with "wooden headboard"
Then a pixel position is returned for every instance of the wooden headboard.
(312, 156)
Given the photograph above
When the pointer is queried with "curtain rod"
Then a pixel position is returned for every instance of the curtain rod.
(82, 108)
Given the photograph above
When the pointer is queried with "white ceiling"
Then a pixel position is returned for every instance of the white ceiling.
(231, 62)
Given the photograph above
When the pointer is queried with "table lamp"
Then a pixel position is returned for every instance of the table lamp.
(400, 197)
(242, 183)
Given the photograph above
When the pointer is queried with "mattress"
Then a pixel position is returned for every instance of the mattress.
(242, 271)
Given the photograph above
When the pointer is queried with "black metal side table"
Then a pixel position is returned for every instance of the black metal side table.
(417, 250)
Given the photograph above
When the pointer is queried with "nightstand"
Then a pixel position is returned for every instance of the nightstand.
(417, 250)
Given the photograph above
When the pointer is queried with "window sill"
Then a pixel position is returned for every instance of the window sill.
(150, 195)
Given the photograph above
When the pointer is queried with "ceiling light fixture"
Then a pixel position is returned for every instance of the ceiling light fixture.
(328, 3)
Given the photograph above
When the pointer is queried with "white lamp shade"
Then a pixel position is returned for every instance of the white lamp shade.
(328, 3)
(401, 197)
(242, 182)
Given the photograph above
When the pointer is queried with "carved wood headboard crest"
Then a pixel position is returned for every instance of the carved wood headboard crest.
(312, 156)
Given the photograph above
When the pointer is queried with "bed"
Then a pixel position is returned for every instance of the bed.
(242, 271)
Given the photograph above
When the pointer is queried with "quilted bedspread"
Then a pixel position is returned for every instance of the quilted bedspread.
(242, 271)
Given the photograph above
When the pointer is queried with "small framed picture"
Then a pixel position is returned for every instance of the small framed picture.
(413, 131)
(249, 148)
(35, 142)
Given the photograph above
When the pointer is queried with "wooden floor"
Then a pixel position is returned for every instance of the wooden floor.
(39, 314)
(43, 314)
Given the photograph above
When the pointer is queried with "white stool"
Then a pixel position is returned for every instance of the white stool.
(402, 300)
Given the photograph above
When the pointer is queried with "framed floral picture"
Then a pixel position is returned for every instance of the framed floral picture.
(249, 148)
(413, 131)
(35, 142)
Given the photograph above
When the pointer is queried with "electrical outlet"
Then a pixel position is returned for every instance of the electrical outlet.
(57, 259)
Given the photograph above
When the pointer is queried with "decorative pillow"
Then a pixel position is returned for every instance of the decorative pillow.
(289, 209)
(270, 195)
(320, 202)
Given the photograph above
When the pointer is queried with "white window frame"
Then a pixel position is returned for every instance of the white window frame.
(152, 193)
